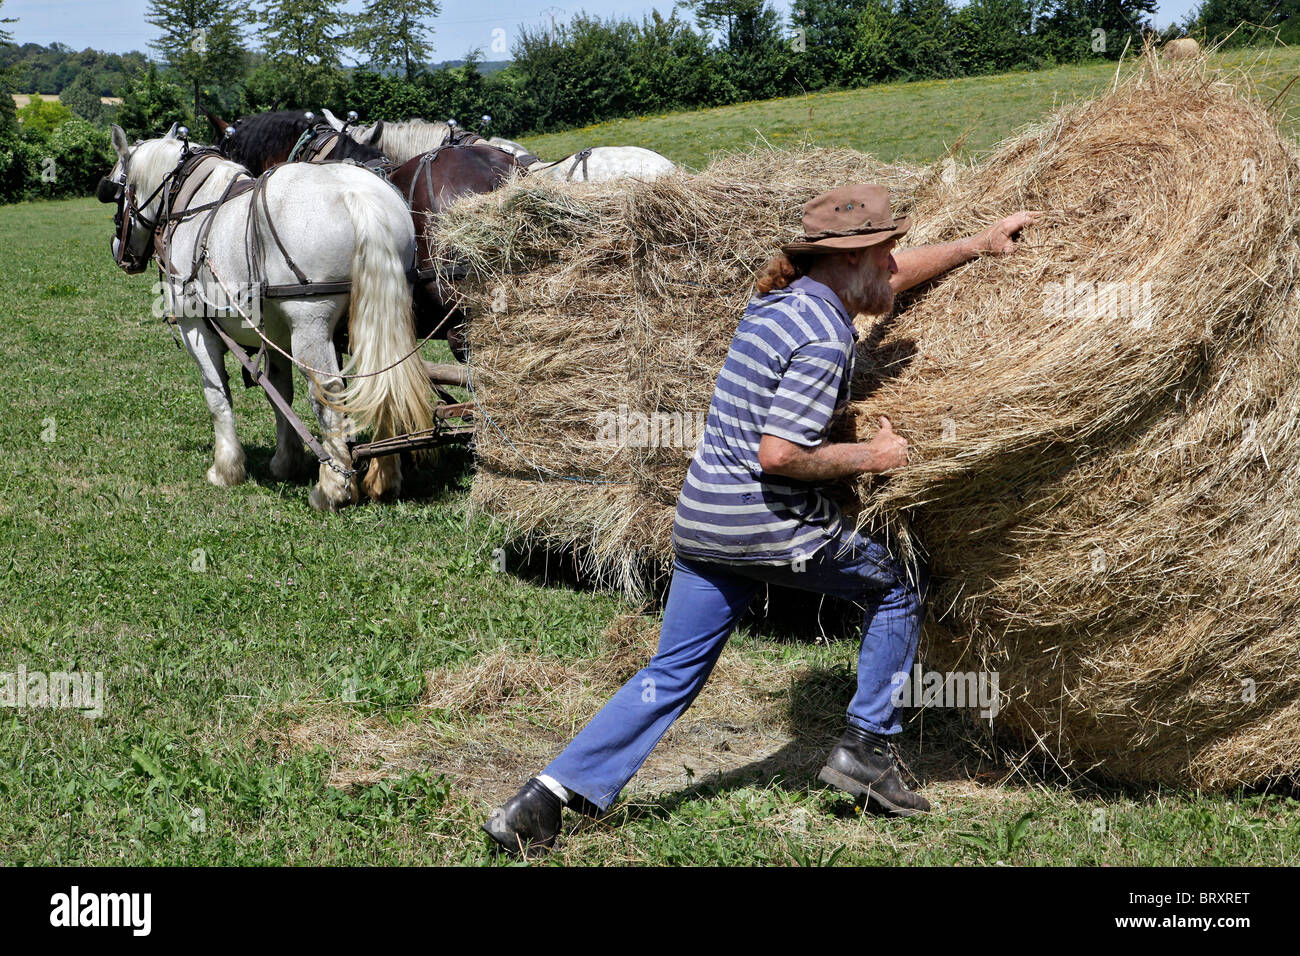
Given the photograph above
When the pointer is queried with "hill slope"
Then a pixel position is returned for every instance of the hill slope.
(913, 121)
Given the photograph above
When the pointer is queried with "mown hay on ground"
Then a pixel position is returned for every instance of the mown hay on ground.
(1105, 477)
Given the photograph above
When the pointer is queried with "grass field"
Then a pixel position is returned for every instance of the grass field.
(918, 122)
(287, 687)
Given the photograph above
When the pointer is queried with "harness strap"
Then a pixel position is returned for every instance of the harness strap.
(261, 191)
(315, 144)
(294, 289)
(579, 157)
(259, 377)
(424, 168)
(322, 153)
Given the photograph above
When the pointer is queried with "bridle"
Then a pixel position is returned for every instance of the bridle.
(129, 213)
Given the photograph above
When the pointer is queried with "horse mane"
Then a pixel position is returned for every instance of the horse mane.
(403, 141)
(150, 161)
(256, 138)
(516, 150)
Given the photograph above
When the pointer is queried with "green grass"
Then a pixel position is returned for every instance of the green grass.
(917, 122)
(299, 615)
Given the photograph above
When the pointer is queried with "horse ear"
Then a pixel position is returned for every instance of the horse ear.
(219, 126)
(120, 144)
(332, 120)
(171, 133)
(376, 132)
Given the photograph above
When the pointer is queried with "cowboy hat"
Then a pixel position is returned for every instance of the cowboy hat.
(851, 217)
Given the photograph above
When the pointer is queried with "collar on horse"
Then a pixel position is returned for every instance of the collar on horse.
(315, 144)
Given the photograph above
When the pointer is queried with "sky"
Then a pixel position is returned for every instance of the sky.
(118, 26)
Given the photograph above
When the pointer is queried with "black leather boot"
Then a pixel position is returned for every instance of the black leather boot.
(584, 806)
(863, 764)
(527, 821)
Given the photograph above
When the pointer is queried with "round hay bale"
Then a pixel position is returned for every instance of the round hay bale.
(1184, 48)
(1107, 488)
(1105, 470)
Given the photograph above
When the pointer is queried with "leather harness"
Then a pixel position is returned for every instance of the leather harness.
(314, 145)
(423, 168)
(195, 168)
(580, 157)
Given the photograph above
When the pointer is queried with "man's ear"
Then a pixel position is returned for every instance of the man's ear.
(120, 144)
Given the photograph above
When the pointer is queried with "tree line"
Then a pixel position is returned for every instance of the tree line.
(589, 69)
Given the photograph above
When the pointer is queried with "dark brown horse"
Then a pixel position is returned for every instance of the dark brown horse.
(259, 142)
(428, 183)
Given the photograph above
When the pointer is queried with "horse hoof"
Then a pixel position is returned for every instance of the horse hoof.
(224, 478)
(323, 502)
(288, 467)
(383, 480)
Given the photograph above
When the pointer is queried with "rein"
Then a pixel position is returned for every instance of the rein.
(581, 156)
(314, 145)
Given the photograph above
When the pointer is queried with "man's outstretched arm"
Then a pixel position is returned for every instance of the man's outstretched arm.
(925, 262)
(831, 460)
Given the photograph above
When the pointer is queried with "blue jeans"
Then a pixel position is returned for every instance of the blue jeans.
(705, 602)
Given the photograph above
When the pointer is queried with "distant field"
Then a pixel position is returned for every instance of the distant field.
(22, 99)
(918, 122)
(286, 687)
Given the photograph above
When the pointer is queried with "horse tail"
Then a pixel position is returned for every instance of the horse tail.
(381, 330)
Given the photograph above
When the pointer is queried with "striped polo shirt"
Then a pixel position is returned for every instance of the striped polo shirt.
(787, 374)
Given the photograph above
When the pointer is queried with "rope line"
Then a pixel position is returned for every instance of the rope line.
(316, 371)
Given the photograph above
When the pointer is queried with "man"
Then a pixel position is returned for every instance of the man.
(751, 513)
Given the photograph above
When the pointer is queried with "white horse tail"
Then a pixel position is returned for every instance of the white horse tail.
(381, 331)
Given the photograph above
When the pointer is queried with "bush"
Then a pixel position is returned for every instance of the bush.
(19, 162)
(71, 161)
(41, 117)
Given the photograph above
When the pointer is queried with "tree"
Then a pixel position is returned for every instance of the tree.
(742, 23)
(42, 117)
(392, 33)
(302, 39)
(1078, 29)
(8, 115)
(830, 31)
(1218, 19)
(82, 97)
(200, 41)
(150, 104)
(5, 36)
(993, 36)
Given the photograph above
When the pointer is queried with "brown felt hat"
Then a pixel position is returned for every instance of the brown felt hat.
(850, 217)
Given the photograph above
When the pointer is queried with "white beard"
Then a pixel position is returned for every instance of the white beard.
(868, 293)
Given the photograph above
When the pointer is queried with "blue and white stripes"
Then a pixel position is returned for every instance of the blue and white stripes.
(787, 374)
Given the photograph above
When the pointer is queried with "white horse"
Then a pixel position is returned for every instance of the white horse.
(600, 163)
(403, 141)
(415, 137)
(337, 222)
(398, 141)
(517, 150)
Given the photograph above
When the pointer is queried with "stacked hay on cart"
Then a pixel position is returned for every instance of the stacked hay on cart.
(602, 312)
(1105, 426)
